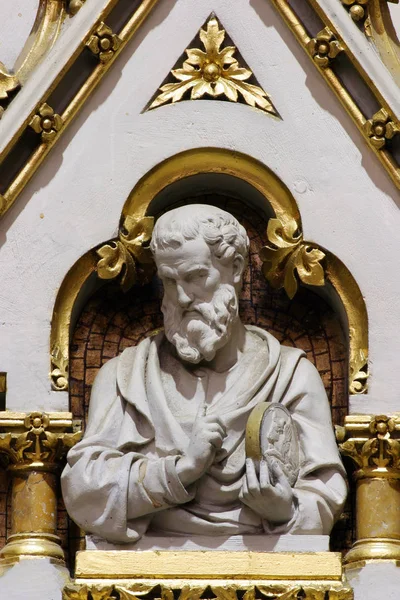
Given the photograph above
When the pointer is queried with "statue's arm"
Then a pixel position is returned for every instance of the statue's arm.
(110, 492)
(321, 488)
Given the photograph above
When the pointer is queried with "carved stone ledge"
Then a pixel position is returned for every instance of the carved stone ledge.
(32, 448)
(373, 443)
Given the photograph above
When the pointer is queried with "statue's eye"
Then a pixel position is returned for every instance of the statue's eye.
(196, 275)
(168, 282)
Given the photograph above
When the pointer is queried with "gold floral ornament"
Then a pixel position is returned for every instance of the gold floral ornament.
(288, 253)
(324, 47)
(214, 72)
(380, 128)
(46, 122)
(129, 256)
(103, 42)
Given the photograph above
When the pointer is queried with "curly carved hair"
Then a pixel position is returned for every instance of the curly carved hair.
(224, 235)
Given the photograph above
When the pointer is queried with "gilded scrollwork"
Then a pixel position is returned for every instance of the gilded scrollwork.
(381, 128)
(46, 122)
(59, 370)
(223, 591)
(103, 43)
(38, 442)
(128, 254)
(358, 369)
(213, 71)
(8, 83)
(324, 47)
(286, 254)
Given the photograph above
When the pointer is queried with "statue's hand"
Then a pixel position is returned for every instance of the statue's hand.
(268, 494)
(207, 436)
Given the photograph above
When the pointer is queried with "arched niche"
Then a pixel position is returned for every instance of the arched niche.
(194, 173)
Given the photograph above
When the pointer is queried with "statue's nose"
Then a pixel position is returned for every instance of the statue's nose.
(184, 300)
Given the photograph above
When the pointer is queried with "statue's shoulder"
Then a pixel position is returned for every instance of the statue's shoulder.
(134, 357)
(286, 354)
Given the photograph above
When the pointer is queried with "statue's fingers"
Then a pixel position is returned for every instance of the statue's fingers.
(215, 428)
(252, 479)
(280, 476)
(244, 492)
(265, 479)
(221, 424)
(215, 439)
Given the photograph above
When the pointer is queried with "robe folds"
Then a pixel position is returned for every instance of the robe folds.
(121, 480)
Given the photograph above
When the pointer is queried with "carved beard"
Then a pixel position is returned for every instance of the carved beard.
(198, 337)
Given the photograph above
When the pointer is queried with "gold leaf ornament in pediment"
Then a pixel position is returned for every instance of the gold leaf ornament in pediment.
(213, 71)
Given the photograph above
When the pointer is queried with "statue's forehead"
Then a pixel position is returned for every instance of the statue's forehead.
(190, 253)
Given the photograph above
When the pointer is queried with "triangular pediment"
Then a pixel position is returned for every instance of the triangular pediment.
(87, 49)
(212, 68)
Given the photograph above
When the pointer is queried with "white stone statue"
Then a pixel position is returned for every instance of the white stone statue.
(164, 450)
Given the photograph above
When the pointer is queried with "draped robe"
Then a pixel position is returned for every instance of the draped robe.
(121, 480)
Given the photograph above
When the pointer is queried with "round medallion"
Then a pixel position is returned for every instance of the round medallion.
(271, 435)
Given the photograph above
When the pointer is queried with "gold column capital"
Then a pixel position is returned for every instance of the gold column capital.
(36, 440)
(373, 443)
(32, 448)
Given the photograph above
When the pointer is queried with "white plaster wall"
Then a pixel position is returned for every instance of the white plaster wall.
(347, 202)
(16, 21)
(395, 13)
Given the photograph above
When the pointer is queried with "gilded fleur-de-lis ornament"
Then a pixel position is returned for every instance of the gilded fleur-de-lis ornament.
(213, 71)
(287, 254)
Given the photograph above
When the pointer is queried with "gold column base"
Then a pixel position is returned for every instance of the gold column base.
(21, 545)
(372, 549)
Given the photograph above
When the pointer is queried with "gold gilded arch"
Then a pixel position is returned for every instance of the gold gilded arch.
(287, 254)
(212, 160)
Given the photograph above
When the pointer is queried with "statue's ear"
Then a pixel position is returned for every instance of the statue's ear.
(238, 268)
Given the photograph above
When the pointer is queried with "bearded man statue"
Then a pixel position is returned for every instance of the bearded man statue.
(164, 450)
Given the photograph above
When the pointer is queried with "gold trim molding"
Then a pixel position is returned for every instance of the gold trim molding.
(377, 23)
(139, 14)
(32, 449)
(373, 444)
(46, 29)
(214, 73)
(326, 69)
(128, 258)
